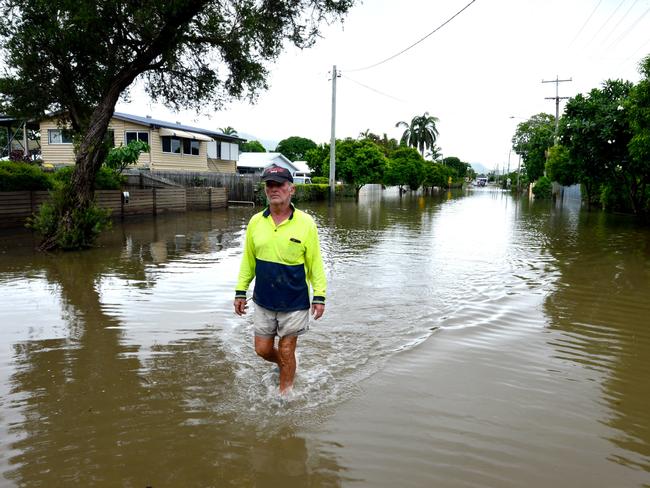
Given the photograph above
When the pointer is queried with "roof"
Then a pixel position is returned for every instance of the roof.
(302, 166)
(173, 125)
(261, 160)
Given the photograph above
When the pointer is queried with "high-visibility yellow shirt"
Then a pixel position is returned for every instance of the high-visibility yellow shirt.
(285, 261)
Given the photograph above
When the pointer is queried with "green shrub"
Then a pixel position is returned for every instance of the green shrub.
(311, 193)
(78, 229)
(17, 176)
(320, 180)
(106, 178)
(542, 188)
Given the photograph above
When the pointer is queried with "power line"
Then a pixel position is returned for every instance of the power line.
(586, 22)
(629, 29)
(607, 21)
(374, 90)
(416, 42)
(621, 20)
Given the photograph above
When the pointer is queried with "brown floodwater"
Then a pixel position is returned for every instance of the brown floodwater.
(470, 340)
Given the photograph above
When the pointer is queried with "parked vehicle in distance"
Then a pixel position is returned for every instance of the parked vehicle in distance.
(481, 181)
(301, 178)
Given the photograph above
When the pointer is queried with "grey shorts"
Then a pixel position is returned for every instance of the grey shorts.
(270, 324)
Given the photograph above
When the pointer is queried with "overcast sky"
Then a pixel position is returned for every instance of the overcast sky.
(474, 74)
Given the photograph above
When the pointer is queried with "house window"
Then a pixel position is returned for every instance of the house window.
(191, 147)
(136, 135)
(59, 136)
(171, 145)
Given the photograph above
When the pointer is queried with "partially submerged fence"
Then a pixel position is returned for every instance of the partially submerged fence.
(17, 206)
(240, 187)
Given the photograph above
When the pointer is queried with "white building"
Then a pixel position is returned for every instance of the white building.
(254, 163)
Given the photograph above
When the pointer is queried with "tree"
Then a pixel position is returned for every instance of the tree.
(295, 148)
(638, 108)
(532, 139)
(76, 59)
(596, 131)
(405, 167)
(421, 133)
(358, 163)
(318, 160)
(456, 164)
(229, 131)
(252, 146)
(120, 157)
(436, 174)
(560, 167)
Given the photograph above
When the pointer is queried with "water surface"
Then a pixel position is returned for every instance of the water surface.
(469, 340)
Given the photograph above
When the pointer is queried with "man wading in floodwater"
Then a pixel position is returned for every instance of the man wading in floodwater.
(282, 253)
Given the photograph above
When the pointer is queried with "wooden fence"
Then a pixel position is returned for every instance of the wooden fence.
(240, 187)
(17, 206)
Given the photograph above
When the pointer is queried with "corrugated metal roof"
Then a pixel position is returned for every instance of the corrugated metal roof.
(172, 125)
(261, 160)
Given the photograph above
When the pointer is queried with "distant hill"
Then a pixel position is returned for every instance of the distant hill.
(479, 168)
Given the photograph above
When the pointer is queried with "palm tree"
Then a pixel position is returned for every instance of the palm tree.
(421, 133)
(229, 131)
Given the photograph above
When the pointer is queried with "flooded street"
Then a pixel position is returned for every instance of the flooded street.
(469, 340)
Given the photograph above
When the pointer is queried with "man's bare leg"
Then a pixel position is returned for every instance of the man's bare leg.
(265, 348)
(287, 354)
(284, 356)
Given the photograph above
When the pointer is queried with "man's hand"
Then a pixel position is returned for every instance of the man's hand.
(240, 306)
(317, 310)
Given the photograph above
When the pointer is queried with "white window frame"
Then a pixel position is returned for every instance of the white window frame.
(51, 132)
(137, 137)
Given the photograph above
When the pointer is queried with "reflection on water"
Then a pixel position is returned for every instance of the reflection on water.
(469, 340)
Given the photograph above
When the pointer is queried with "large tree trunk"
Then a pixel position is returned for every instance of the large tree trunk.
(91, 154)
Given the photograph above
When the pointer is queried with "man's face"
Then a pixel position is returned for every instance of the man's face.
(279, 193)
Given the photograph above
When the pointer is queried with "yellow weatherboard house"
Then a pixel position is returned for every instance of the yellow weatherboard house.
(174, 146)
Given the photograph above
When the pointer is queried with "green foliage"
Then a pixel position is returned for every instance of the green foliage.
(542, 188)
(229, 131)
(437, 174)
(359, 163)
(58, 227)
(596, 131)
(106, 178)
(421, 133)
(318, 160)
(638, 109)
(457, 165)
(560, 167)
(311, 193)
(384, 143)
(405, 167)
(320, 180)
(120, 157)
(15, 176)
(252, 147)
(295, 148)
(531, 141)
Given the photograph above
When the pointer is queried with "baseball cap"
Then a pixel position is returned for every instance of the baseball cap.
(277, 173)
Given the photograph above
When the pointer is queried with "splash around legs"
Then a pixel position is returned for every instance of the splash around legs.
(284, 355)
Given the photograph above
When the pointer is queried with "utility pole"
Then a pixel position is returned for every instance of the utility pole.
(557, 99)
(335, 75)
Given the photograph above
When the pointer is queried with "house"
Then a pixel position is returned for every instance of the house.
(174, 146)
(254, 163)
